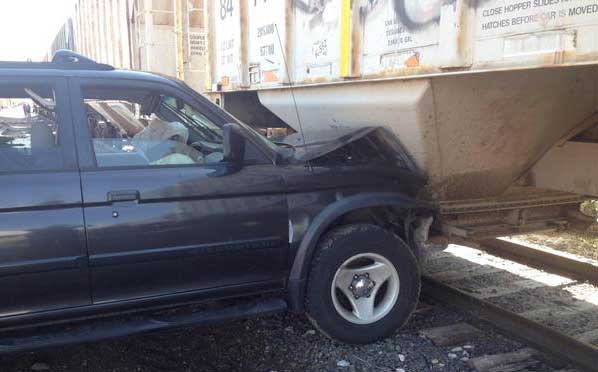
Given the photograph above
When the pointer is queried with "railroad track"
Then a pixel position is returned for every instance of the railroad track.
(542, 298)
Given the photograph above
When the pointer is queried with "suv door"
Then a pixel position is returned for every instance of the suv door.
(163, 217)
(43, 258)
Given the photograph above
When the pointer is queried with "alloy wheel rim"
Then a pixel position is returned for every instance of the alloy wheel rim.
(365, 288)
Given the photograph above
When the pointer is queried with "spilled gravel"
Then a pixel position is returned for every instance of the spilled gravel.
(276, 343)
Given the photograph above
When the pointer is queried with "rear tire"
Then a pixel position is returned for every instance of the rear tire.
(363, 284)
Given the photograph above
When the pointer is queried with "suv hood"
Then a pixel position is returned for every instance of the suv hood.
(347, 146)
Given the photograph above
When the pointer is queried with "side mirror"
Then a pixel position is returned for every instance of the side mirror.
(234, 143)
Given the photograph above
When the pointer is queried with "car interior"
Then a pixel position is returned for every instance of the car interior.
(140, 128)
(29, 129)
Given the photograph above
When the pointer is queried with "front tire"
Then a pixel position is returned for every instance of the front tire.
(363, 284)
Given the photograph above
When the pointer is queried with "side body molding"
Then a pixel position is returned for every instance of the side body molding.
(321, 223)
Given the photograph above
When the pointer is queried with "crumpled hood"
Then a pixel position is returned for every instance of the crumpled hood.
(323, 142)
(350, 145)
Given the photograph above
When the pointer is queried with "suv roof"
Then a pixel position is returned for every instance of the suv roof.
(66, 62)
(62, 60)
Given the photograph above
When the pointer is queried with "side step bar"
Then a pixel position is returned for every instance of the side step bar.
(105, 329)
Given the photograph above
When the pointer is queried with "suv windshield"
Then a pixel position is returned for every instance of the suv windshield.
(170, 106)
(251, 133)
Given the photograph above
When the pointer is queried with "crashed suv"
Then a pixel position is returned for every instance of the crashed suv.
(131, 203)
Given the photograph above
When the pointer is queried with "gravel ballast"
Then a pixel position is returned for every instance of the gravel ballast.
(277, 343)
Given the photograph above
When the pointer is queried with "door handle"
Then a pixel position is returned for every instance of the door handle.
(123, 195)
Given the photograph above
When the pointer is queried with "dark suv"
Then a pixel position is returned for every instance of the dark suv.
(132, 203)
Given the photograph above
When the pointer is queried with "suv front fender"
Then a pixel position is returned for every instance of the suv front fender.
(322, 222)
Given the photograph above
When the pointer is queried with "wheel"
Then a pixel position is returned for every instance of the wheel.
(363, 284)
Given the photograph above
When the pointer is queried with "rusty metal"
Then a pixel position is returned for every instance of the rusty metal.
(489, 231)
(179, 44)
(243, 44)
(210, 47)
(519, 211)
(519, 198)
(461, 35)
(579, 354)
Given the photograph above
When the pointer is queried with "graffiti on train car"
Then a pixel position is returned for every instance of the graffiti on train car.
(394, 36)
(419, 13)
(317, 38)
(412, 13)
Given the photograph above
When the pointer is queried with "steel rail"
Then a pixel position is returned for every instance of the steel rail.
(539, 259)
(578, 353)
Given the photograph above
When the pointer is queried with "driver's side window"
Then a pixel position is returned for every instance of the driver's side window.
(145, 128)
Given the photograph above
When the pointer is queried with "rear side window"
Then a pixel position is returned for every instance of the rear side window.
(29, 128)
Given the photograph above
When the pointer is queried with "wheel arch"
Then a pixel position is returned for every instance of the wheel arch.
(322, 223)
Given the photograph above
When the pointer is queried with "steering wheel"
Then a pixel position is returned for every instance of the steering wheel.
(207, 147)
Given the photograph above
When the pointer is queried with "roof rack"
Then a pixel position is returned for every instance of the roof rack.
(63, 60)
(68, 56)
(65, 57)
